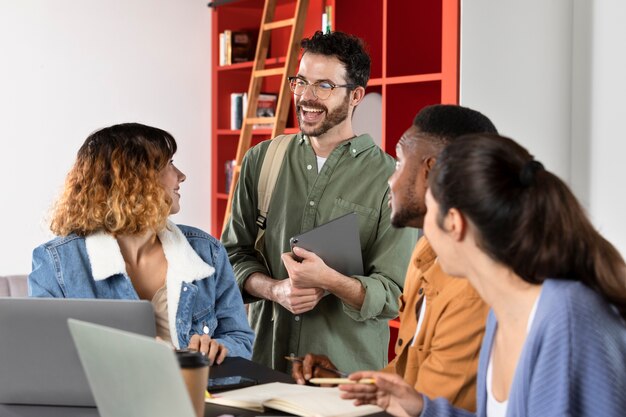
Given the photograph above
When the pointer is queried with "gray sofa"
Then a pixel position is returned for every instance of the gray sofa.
(14, 286)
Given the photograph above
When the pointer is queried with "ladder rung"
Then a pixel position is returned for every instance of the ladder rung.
(279, 24)
(260, 120)
(269, 72)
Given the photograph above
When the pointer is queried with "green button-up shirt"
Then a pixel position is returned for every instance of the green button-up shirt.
(353, 179)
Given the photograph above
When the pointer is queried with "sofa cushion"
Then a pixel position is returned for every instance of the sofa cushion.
(14, 286)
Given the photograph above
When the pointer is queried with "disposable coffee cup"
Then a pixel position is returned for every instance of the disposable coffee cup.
(195, 370)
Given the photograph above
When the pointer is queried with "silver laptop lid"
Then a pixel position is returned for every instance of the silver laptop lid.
(38, 361)
(130, 375)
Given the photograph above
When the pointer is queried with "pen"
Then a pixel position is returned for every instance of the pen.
(299, 360)
(319, 381)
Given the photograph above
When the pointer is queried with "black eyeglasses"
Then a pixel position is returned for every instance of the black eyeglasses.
(320, 89)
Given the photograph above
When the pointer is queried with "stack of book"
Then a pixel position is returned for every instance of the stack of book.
(266, 107)
(236, 47)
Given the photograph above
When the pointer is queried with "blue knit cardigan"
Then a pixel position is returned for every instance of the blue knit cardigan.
(573, 363)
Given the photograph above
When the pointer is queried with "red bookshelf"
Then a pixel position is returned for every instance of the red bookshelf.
(414, 47)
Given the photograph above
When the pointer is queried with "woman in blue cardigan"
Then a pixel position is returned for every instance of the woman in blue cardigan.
(555, 343)
(115, 241)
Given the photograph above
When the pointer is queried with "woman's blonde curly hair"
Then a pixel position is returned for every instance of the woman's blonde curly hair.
(114, 184)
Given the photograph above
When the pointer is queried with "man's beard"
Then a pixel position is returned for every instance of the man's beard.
(331, 120)
(408, 215)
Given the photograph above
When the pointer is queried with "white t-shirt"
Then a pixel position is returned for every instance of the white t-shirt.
(320, 163)
(420, 319)
(496, 408)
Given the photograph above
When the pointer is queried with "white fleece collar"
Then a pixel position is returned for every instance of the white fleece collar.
(183, 264)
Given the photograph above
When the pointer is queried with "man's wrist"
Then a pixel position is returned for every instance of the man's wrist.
(260, 285)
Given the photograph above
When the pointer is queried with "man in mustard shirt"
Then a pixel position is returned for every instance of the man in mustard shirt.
(442, 318)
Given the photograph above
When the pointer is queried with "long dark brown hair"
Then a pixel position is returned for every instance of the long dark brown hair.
(527, 218)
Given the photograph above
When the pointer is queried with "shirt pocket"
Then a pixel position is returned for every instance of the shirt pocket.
(204, 322)
(367, 218)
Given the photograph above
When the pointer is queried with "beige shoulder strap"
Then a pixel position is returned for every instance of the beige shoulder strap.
(267, 180)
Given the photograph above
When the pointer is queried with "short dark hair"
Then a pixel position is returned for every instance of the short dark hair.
(526, 217)
(348, 49)
(447, 121)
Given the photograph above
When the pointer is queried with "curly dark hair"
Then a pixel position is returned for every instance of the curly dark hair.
(348, 49)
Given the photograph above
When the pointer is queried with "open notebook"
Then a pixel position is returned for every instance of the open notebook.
(300, 400)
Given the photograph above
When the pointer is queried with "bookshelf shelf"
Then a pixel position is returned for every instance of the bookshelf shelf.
(414, 46)
(230, 132)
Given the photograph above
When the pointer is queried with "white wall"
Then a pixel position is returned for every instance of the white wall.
(607, 153)
(550, 74)
(69, 67)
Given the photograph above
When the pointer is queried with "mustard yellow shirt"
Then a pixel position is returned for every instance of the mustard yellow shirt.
(443, 359)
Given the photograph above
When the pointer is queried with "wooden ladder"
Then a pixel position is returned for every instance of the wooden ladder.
(256, 80)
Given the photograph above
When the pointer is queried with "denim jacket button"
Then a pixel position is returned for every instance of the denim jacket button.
(184, 288)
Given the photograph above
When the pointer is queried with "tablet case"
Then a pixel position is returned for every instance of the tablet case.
(336, 242)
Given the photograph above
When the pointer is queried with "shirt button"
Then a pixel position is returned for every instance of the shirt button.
(205, 330)
(297, 318)
(184, 288)
(293, 355)
(311, 203)
(309, 167)
(420, 291)
(353, 150)
(399, 342)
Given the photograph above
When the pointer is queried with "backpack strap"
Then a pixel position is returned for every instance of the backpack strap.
(267, 181)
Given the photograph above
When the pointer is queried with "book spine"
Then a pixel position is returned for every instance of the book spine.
(236, 110)
(222, 50)
(229, 49)
(244, 111)
(329, 19)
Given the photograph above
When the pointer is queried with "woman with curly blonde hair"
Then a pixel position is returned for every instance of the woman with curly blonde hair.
(115, 241)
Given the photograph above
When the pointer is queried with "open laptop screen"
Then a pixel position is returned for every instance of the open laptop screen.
(38, 360)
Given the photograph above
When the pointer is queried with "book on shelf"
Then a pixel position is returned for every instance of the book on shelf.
(229, 169)
(242, 46)
(327, 19)
(224, 49)
(238, 107)
(266, 107)
(300, 400)
(236, 46)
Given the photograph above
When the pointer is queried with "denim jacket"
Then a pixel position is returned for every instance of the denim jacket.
(201, 288)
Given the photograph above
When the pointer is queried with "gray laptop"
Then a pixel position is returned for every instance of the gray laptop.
(336, 242)
(38, 361)
(130, 375)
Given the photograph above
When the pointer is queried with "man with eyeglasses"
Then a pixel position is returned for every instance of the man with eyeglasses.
(327, 172)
